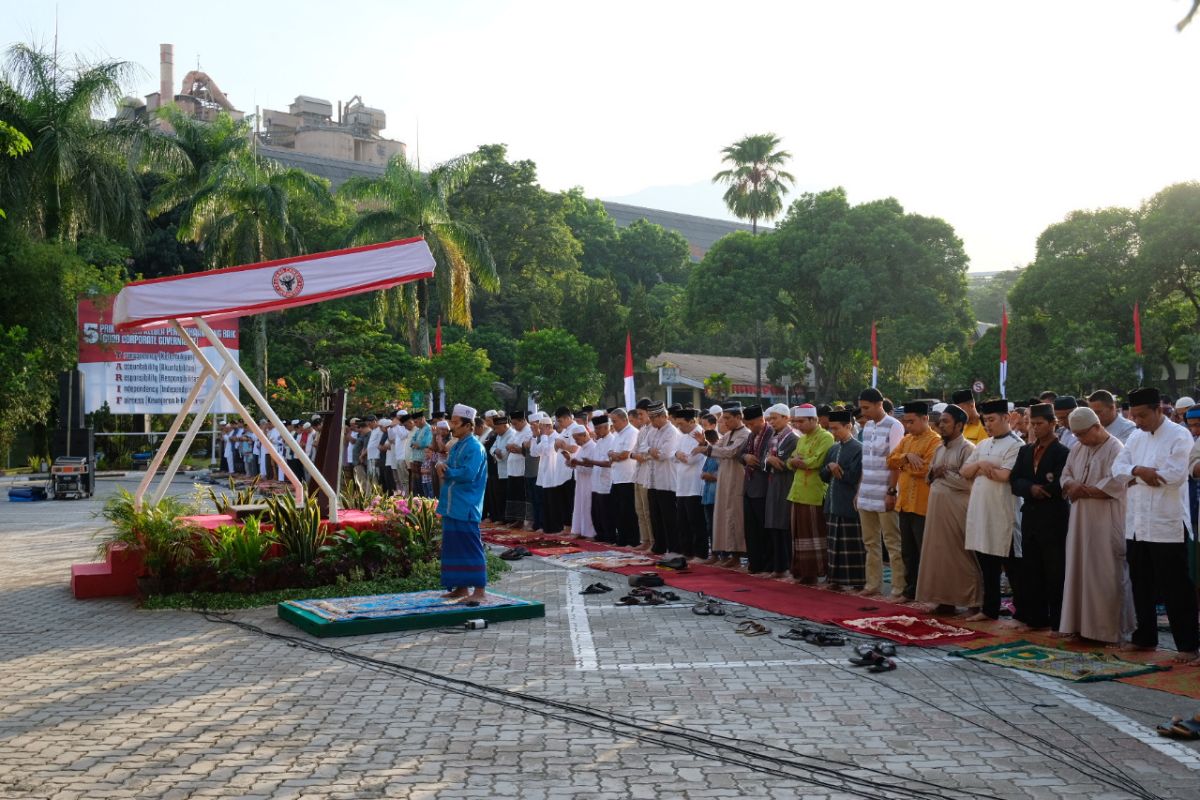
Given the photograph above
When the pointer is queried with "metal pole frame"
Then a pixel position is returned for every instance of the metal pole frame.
(265, 407)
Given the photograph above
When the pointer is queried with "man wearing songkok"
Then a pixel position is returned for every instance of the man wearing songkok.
(641, 482)
(754, 502)
(1063, 406)
(499, 454)
(1105, 406)
(876, 494)
(810, 536)
(602, 516)
(1045, 513)
(581, 515)
(662, 442)
(974, 432)
(373, 454)
(493, 499)
(842, 470)
(909, 464)
(1154, 466)
(516, 502)
(729, 533)
(1097, 597)
(624, 470)
(550, 468)
(949, 578)
(992, 509)
(533, 492)
(690, 534)
(463, 476)
(777, 513)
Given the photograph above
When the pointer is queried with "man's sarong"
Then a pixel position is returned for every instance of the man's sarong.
(463, 562)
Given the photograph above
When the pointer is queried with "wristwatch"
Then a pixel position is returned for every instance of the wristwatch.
(893, 492)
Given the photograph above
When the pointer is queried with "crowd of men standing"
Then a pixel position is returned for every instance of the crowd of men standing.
(1085, 507)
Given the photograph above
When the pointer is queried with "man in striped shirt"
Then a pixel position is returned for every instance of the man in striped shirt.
(877, 495)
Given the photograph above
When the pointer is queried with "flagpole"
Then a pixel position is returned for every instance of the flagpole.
(1003, 350)
(874, 358)
(630, 392)
(1137, 341)
(441, 380)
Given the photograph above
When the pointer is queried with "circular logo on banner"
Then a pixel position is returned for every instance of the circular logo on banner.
(287, 282)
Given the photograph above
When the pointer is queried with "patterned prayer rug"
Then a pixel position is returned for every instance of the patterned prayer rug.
(909, 630)
(1066, 664)
(337, 609)
(600, 559)
(554, 551)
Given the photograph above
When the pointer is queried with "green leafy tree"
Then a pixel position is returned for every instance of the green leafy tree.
(987, 297)
(467, 372)
(13, 143)
(243, 214)
(555, 364)
(81, 174)
(755, 177)
(405, 202)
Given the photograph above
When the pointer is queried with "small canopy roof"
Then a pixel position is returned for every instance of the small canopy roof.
(272, 285)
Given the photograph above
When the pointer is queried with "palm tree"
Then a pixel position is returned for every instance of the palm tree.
(204, 147)
(82, 173)
(405, 202)
(756, 179)
(241, 214)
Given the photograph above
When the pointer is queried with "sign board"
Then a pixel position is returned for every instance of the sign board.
(977, 387)
(147, 371)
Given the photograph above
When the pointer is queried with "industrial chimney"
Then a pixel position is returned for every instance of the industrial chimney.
(166, 73)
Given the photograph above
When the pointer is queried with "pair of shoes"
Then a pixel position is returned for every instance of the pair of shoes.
(515, 553)
(752, 628)
(651, 579)
(678, 563)
(882, 648)
(1180, 728)
(653, 594)
(874, 658)
(597, 588)
(708, 608)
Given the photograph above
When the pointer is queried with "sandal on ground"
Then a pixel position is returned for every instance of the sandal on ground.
(884, 665)
(868, 659)
(669, 596)
(1169, 730)
(752, 628)
(1187, 728)
(882, 648)
(708, 608)
(596, 588)
(629, 600)
(515, 554)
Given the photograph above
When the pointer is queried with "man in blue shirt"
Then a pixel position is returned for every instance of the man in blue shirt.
(464, 478)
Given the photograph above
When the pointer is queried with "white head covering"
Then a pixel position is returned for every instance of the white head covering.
(715, 410)
(576, 428)
(938, 408)
(1081, 419)
(1011, 406)
(805, 411)
(464, 411)
(443, 425)
(489, 413)
(383, 423)
(780, 409)
(599, 412)
(308, 426)
(1184, 403)
(295, 422)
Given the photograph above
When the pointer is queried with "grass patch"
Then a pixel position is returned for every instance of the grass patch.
(425, 575)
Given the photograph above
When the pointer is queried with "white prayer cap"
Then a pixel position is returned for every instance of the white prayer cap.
(489, 413)
(807, 410)
(295, 422)
(781, 409)
(599, 412)
(308, 426)
(464, 411)
(938, 408)
(443, 425)
(715, 410)
(1082, 418)
(1184, 403)
(402, 414)
(576, 428)
(383, 423)
(1011, 406)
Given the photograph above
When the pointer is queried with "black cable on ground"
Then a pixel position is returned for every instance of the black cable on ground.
(665, 735)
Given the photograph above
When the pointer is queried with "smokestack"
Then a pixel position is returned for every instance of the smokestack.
(166, 73)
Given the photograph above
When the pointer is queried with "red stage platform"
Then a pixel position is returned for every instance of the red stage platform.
(117, 575)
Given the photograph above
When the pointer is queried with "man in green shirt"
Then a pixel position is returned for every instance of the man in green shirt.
(810, 540)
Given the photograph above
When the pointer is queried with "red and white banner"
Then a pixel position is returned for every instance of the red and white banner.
(145, 371)
(272, 285)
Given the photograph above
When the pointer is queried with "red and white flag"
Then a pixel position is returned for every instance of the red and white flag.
(272, 285)
(630, 392)
(1003, 349)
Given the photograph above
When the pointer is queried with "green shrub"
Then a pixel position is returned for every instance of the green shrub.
(237, 497)
(238, 552)
(297, 526)
(359, 546)
(166, 541)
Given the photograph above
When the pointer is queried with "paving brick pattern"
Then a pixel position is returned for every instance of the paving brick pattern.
(99, 699)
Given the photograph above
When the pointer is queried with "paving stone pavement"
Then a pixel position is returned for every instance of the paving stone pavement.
(100, 699)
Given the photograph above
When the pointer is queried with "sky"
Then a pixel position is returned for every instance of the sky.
(1000, 118)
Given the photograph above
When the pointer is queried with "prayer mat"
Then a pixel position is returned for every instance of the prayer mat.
(554, 551)
(908, 629)
(1081, 667)
(348, 616)
(600, 559)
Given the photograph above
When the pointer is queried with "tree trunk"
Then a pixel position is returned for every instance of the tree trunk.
(1172, 379)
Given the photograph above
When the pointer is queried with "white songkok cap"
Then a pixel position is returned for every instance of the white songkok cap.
(938, 408)
(599, 412)
(295, 422)
(383, 423)
(489, 413)
(308, 426)
(1081, 419)
(576, 428)
(808, 410)
(1184, 403)
(460, 410)
(781, 409)
(715, 410)
(443, 425)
